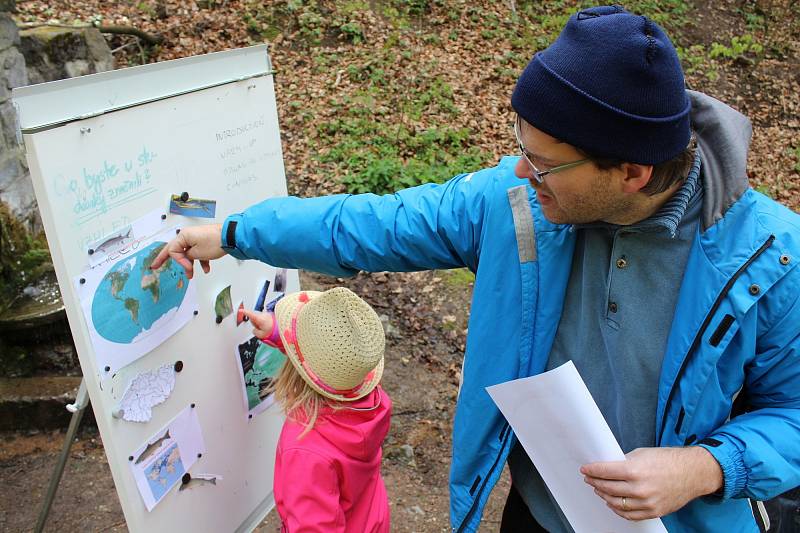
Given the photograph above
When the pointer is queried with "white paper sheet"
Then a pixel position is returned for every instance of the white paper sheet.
(145, 391)
(173, 451)
(558, 423)
(129, 309)
(112, 246)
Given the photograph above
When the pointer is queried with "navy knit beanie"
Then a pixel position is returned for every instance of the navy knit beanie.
(611, 85)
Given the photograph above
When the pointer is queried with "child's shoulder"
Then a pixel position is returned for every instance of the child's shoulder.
(293, 438)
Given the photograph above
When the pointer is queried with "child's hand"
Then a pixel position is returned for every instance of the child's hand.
(262, 323)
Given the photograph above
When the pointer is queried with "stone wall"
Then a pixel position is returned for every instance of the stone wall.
(15, 184)
(37, 55)
(55, 53)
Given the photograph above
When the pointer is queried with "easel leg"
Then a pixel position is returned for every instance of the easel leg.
(77, 408)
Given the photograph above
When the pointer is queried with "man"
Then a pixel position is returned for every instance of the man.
(637, 251)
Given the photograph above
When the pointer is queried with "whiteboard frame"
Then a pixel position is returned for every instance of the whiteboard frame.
(45, 105)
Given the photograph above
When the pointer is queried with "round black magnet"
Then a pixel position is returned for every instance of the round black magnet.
(184, 196)
(163, 217)
(219, 319)
(82, 280)
(130, 458)
(192, 406)
(196, 312)
(199, 455)
(187, 477)
(178, 366)
(108, 368)
(91, 251)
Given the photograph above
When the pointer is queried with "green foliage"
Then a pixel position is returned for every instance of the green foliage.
(753, 15)
(315, 21)
(795, 154)
(352, 31)
(670, 14)
(537, 24)
(754, 21)
(405, 13)
(696, 61)
(763, 189)
(210, 4)
(415, 7)
(740, 47)
(402, 128)
(261, 21)
(144, 7)
(381, 158)
(437, 94)
(398, 129)
(458, 277)
(24, 257)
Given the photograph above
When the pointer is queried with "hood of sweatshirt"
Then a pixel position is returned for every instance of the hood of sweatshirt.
(359, 428)
(723, 139)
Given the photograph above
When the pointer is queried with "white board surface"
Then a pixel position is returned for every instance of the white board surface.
(107, 149)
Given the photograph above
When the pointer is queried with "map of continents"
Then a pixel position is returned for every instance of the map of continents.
(131, 298)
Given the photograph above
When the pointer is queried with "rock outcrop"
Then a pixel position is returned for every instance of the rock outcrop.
(55, 53)
(15, 184)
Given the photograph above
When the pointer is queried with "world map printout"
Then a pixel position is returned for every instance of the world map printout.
(130, 309)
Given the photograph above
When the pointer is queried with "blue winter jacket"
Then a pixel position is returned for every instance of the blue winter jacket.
(736, 328)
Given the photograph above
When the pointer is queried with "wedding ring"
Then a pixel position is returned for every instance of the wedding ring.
(624, 503)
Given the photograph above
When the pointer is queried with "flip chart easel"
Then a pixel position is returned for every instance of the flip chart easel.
(107, 149)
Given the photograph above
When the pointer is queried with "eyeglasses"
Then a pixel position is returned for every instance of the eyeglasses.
(539, 175)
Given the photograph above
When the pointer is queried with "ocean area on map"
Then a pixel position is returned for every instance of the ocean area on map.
(133, 300)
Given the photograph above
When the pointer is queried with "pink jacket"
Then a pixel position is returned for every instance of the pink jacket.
(330, 480)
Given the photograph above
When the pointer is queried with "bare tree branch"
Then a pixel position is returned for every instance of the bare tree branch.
(149, 38)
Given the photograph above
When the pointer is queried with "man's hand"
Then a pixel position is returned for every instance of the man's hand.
(654, 482)
(203, 243)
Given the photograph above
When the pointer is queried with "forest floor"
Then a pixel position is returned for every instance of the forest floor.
(418, 70)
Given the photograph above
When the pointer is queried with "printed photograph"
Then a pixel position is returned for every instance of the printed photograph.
(193, 207)
(259, 363)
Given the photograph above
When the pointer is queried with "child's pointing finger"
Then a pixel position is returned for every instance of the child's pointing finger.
(262, 323)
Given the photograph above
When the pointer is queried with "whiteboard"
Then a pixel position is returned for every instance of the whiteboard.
(107, 149)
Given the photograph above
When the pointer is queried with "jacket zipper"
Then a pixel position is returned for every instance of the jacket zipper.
(477, 498)
(725, 290)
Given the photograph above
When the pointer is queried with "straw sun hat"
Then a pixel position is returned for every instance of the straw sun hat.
(335, 341)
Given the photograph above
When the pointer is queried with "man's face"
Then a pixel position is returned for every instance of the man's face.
(576, 195)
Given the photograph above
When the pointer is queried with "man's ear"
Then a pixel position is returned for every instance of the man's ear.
(635, 176)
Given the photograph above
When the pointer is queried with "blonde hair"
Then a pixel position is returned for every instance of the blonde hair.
(300, 402)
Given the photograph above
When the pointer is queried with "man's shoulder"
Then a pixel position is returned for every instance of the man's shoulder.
(777, 218)
(501, 175)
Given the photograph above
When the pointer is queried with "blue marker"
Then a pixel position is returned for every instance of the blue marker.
(262, 297)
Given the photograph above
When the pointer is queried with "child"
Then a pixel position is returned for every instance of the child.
(327, 466)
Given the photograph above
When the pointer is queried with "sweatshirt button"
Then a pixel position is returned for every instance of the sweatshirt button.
(622, 262)
(612, 307)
